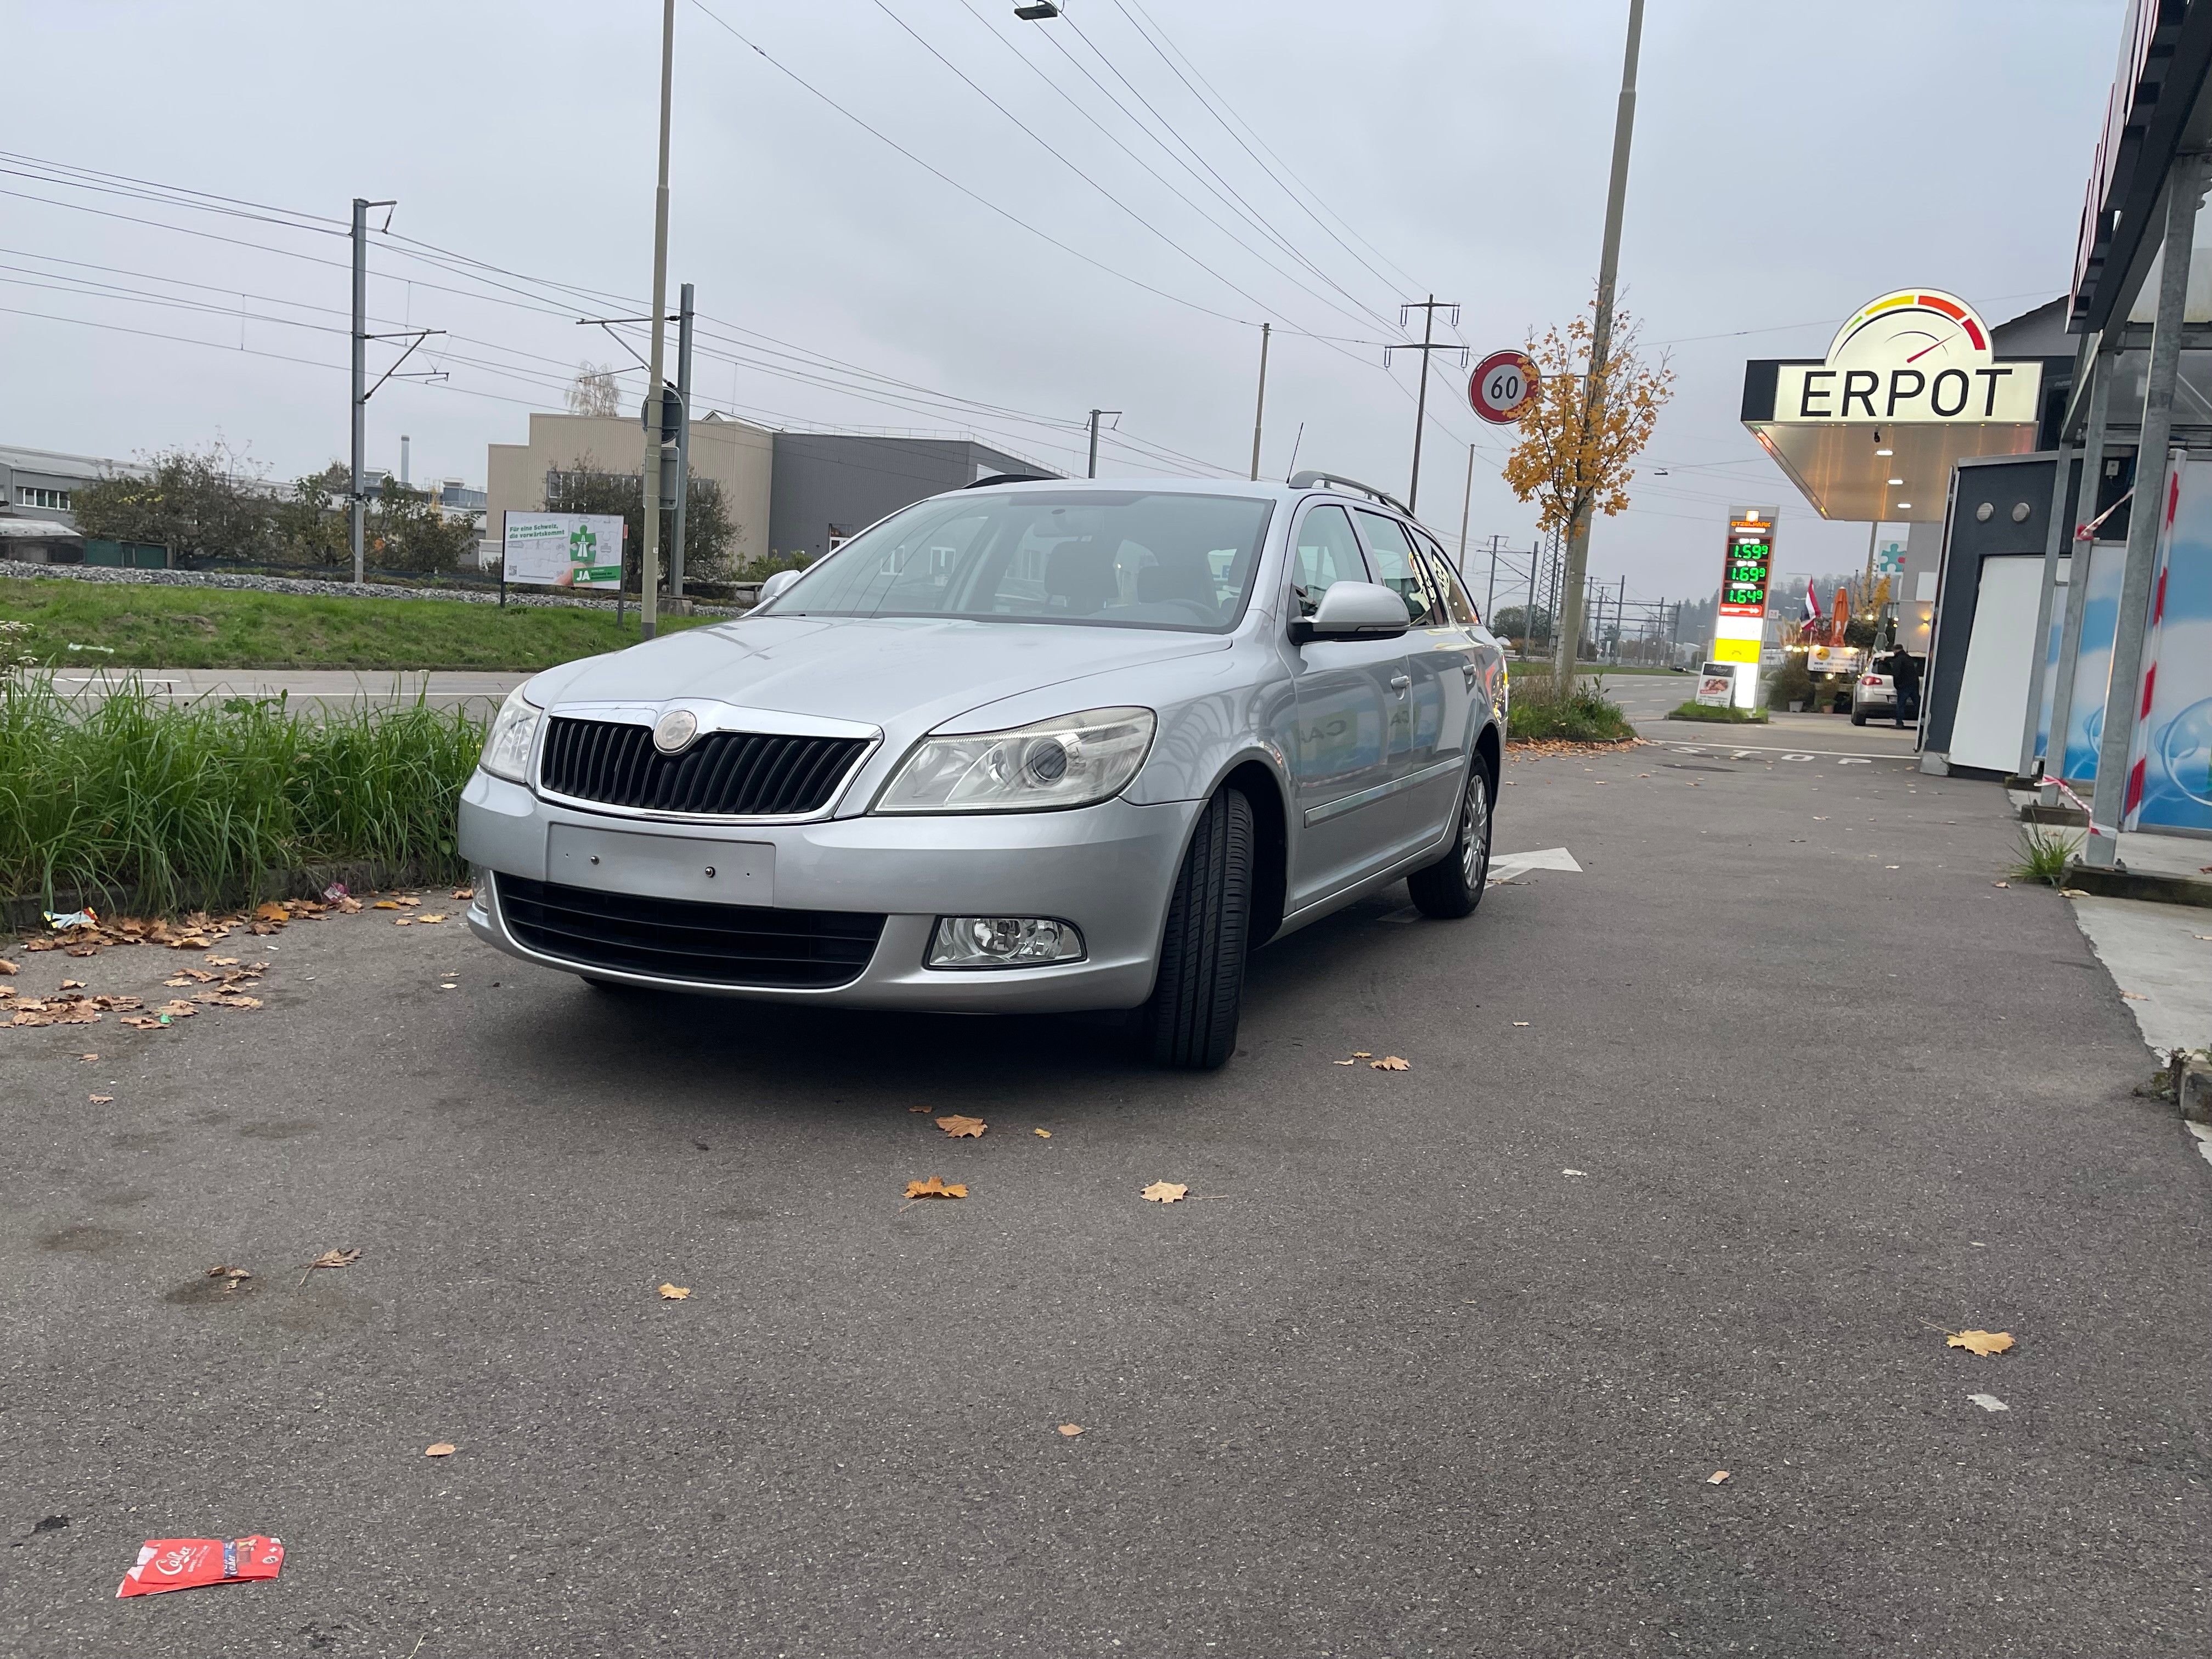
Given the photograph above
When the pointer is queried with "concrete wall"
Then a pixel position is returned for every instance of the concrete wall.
(737, 456)
(829, 484)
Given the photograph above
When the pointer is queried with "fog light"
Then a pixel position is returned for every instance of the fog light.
(1003, 942)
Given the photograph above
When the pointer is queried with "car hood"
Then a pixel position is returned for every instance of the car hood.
(906, 674)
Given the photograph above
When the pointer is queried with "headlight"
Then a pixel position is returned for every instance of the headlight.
(1073, 761)
(506, 749)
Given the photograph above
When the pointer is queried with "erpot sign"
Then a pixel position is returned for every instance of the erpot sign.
(1502, 383)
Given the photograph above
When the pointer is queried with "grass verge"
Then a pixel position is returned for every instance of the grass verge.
(133, 625)
(1729, 715)
(1541, 713)
(177, 804)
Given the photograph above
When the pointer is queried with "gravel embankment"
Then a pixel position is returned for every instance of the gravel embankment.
(97, 572)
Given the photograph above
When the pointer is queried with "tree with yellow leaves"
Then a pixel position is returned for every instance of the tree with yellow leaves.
(1580, 435)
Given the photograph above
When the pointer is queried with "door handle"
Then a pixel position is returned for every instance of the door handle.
(1467, 668)
(1401, 684)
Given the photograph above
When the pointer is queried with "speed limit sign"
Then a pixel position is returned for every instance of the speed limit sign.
(1503, 381)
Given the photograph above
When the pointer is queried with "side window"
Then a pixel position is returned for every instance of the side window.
(1326, 552)
(1458, 603)
(1395, 567)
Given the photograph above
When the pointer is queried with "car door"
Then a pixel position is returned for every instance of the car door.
(1464, 641)
(1433, 762)
(1350, 727)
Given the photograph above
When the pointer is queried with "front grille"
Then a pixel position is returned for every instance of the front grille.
(723, 774)
(711, 943)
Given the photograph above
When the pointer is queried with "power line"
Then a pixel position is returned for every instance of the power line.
(973, 196)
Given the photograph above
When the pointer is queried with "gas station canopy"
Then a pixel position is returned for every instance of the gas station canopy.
(1910, 387)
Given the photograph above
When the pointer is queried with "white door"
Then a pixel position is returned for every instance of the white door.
(1993, 693)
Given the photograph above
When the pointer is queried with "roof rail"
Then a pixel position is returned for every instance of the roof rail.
(1012, 477)
(1308, 480)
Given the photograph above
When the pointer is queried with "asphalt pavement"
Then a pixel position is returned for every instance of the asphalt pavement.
(1702, 1150)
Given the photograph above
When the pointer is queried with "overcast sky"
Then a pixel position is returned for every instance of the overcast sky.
(1792, 160)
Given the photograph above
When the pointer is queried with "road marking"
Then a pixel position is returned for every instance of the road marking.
(1745, 754)
(1510, 866)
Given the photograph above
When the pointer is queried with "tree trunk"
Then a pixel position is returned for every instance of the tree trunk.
(1567, 626)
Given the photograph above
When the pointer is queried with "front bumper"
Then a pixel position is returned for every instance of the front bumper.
(1108, 869)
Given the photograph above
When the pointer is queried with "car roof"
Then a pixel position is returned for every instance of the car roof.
(1262, 490)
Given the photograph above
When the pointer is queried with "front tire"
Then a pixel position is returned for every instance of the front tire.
(1190, 1021)
(1452, 886)
(1859, 717)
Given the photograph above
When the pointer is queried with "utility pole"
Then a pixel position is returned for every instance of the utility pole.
(1428, 308)
(655, 437)
(358, 497)
(1259, 411)
(358, 505)
(1489, 598)
(1094, 414)
(682, 447)
(1466, 501)
(1620, 618)
(1594, 387)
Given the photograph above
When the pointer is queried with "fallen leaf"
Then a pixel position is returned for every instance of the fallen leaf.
(149, 1024)
(1989, 1402)
(2203, 936)
(403, 922)
(100, 1100)
(1819, 818)
(1165, 1192)
(443, 1449)
(7, 967)
(1520, 1022)
(1892, 867)
(1344, 1062)
(921, 1109)
(2073, 892)
(464, 892)
(2134, 996)
(88, 1057)
(350, 906)
(1389, 1063)
(406, 901)
(1981, 1342)
(224, 1270)
(2000, 884)
(177, 1008)
(674, 1292)
(1071, 1430)
(449, 987)
(215, 961)
(272, 911)
(1363, 1054)
(935, 1187)
(1574, 1172)
(386, 904)
(335, 1259)
(1041, 1134)
(429, 919)
(1717, 1477)
(72, 985)
(956, 1127)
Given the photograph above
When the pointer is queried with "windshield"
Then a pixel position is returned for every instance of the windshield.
(1106, 558)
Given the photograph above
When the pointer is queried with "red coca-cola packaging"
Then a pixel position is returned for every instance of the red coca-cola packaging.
(168, 1564)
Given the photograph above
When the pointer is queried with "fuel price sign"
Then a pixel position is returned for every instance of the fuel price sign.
(1747, 568)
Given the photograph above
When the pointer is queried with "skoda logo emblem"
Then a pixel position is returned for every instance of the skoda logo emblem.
(674, 733)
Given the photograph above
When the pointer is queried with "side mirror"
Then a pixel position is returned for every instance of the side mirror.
(1354, 611)
(776, 584)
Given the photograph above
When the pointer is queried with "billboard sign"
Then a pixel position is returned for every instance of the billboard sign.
(1917, 354)
(2170, 770)
(564, 550)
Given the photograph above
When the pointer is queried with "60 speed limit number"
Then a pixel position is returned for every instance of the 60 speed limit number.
(1501, 384)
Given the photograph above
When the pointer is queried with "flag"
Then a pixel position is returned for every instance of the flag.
(1812, 604)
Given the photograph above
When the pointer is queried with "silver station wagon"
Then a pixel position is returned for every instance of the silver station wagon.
(1032, 746)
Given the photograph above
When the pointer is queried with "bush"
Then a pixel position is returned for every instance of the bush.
(191, 803)
(1583, 714)
(1726, 715)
